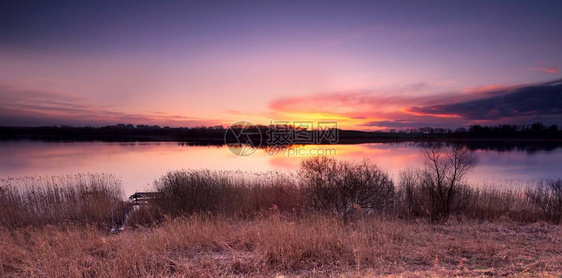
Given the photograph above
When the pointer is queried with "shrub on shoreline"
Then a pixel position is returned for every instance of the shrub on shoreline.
(340, 188)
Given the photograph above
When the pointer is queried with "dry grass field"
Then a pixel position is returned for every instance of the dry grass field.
(272, 245)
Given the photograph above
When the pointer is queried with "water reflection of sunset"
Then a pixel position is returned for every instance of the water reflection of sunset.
(385, 155)
(139, 164)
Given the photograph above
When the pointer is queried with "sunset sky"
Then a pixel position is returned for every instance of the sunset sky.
(367, 64)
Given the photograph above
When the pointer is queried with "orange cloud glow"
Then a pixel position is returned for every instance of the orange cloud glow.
(412, 110)
(358, 108)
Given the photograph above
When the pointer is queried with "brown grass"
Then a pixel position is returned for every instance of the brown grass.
(94, 199)
(225, 192)
(272, 245)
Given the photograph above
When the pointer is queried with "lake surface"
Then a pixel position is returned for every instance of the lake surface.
(139, 164)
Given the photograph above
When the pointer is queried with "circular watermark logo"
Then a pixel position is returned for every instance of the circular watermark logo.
(242, 138)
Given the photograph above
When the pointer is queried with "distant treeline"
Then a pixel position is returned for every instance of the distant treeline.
(216, 134)
(536, 130)
(118, 133)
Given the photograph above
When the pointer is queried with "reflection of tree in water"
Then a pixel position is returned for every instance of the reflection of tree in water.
(529, 147)
(522, 146)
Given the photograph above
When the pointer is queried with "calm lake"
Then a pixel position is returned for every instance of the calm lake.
(139, 164)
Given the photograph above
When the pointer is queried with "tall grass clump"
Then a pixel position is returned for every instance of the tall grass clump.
(94, 199)
(547, 196)
(186, 192)
(495, 203)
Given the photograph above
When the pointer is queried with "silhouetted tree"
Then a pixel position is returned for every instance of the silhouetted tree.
(442, 179)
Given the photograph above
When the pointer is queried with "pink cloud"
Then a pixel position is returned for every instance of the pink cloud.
(487, 89)
(551, 70)
(542, 66)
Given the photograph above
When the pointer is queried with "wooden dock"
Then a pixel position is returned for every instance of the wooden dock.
(140, 198)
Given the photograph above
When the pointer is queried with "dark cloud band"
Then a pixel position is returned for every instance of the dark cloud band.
(534, 100)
